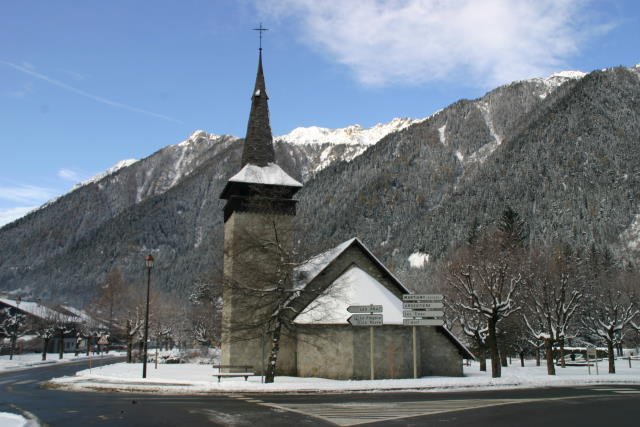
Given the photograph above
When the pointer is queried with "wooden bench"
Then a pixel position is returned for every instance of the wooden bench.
(248, 371)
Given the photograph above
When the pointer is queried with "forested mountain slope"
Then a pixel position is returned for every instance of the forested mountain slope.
(569, 163)
(563, 152)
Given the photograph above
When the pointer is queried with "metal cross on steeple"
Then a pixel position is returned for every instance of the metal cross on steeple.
(261, 29)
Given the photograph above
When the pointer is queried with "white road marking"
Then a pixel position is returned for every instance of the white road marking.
(350, 414)
(24, 382)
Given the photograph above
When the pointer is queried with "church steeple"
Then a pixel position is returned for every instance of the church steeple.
(258, 143)
(260, 186)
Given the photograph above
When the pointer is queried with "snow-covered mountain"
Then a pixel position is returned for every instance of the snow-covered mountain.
(555, 80)
(351, 135)
(547, 148)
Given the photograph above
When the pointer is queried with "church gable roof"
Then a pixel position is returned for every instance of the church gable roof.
(354, 287)
(310, 269)
(315, 277)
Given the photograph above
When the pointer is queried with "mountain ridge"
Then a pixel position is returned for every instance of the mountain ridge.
(408, 193)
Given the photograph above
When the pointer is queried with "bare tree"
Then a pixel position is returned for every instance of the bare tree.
(12, 326)
(267, 298)
(205, 310)
(553, 295)
(611, 309)
(44, 325)
(475, 327)
(110, 297)
(130, 318)
(472, 326)
(263, 288)
(485, 280)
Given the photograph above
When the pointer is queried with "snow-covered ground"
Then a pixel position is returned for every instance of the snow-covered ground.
(14, 420)
(31, 360)
(194, 378)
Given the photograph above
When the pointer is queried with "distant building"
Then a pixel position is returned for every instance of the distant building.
(39, 316)
(259, 268)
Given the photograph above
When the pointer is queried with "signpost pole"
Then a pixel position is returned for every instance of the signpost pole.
(415, 357)
(262, 345)
(371, 349)
(366, 315)
(588, 362)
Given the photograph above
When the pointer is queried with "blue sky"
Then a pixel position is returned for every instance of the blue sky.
(86, 84)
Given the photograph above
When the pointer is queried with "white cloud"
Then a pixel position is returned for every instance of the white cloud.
(70, 175)
(24, 193)
(28, 69)
(26, 89)
(484, 42)
(11, 214)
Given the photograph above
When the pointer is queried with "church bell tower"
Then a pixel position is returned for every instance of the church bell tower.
(258, 237)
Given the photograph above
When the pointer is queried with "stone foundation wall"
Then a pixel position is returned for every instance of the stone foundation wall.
(343, 352)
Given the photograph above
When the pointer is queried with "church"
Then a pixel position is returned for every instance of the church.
(275, 305)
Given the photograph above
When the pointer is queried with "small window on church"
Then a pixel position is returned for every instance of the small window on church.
(257, 92)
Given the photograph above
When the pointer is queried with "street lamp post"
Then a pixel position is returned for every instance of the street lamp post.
(149, 262)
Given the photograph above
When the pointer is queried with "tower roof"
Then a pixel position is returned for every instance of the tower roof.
(258, 143)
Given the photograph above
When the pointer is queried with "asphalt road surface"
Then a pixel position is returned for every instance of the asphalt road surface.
(21, 392)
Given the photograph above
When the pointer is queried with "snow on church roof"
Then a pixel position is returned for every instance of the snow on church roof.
(308, 271)
(353, 287)
(271, 174)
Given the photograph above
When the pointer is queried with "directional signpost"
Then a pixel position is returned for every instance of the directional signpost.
(422, 305)
(365, 320)
(422, 313)
(421, 310)
(371, 308)
(366, 315)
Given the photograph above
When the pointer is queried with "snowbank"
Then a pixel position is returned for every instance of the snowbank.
(193, 378)
(33, 360)
(14, 420)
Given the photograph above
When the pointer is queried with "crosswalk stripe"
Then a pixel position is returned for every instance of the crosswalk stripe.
(24, 382)
(350, 414)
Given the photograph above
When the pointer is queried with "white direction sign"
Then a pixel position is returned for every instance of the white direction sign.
(421, 305)
(365, 319)
(371, 308)
(422, 313)
(422, 297)
(422, 322)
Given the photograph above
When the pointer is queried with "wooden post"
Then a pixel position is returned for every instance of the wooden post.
(415, 356)
(629, 361)
(262, 345)
(371, 350)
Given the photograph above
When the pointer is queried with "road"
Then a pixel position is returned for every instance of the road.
(580, 406)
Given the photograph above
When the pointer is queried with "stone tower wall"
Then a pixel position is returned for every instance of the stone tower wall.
(251, 263)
